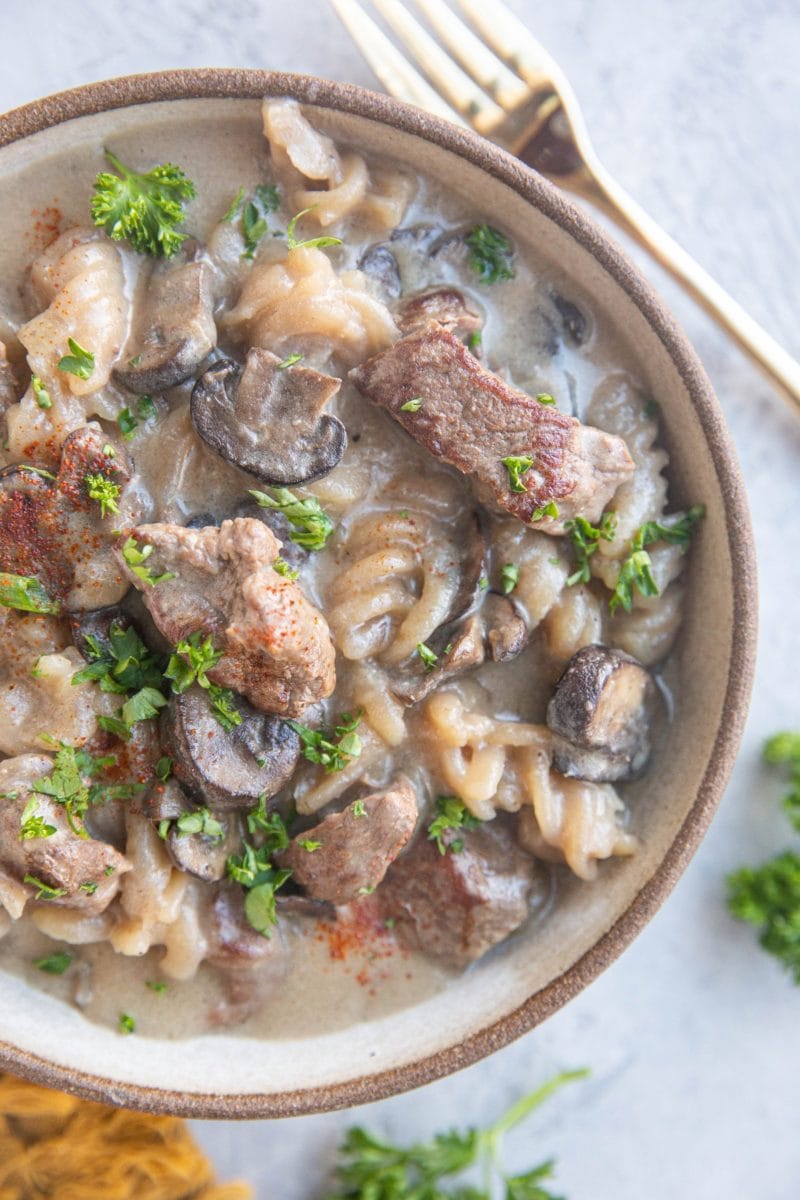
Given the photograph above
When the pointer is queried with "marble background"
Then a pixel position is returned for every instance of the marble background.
(693, 1036)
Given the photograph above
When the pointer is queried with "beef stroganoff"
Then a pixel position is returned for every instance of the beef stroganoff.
(338, 572)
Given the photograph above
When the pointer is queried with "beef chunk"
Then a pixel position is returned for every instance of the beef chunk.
(456, 906)
(63, 860)
(356, 846)
(276, 646)
(472, 419)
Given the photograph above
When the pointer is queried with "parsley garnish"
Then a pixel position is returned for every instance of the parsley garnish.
(142, 208)
(769, 896)
(254, 227)
(282, 567)
(236, 203)
(451, 813)
(25, 593)
(545, 398)
(32, 824)
(54, 964)
(490, 255)
(104, 491)
(318, 746)
(146, 407)
(126, 1023)
(427, 655)
(65, 785)
(585, 539)
(289, 362)
(43, 890)
(41, 393)
(358, 808)
(123, 665)
(164, 768)
(509, 577)
(517, 465)
(319, 242)
(311, 524)
(136, 555)
(371, 1169)
(200, 821)
(78, 362)
(156, 985)
(192, 659)
(412, 405)
(636, 571)
(127, 424)
(550, 509)
(253, 868)
(474, 341)
(309, 844)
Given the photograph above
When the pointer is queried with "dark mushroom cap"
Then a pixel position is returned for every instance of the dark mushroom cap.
(179, 329)
(227, 769)
(505, 629)
(268, 420)
(600, 715)
(381, 265)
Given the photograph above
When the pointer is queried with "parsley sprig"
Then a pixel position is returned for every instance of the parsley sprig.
(193, 658)
(78, 362)
(105, 491)
(136, 556)
(123, 665)
(585, 539)
(66, 785)
(517, 465)
(311, 525)
(335, 750)
(491, 256)
(768, 896)
(453, 814)
(254, 868)
(372, 1169)
(636, 572)
(145, 208)
(319, 242)
(26, 594)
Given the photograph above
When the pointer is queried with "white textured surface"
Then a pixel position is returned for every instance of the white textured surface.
(693, 1034)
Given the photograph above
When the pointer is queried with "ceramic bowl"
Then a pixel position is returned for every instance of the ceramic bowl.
(532, 976)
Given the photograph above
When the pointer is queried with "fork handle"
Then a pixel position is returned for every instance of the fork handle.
(598, 186)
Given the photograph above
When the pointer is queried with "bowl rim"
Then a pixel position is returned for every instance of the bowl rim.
(242, 84)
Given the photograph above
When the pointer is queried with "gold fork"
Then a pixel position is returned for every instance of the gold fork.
(513, 92)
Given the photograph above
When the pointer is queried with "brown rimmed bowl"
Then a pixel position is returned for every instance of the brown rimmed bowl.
(502, 998)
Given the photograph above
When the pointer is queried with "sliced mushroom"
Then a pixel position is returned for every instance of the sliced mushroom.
(574, 322)
(227, 769)
(600, 716)
(177, 329)
(505, 630)
(381, 265)
(200, 855)
(444, 306)
(268, 419)
(472, 577)
(463, 652)
(252, 965)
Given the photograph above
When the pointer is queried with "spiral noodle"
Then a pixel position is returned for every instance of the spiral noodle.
(397, 586)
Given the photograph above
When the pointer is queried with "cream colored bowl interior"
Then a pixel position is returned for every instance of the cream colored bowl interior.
(376, 1057)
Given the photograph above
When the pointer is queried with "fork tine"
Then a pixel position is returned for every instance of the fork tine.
(515, 44)
(457, 86)
(474, 55)
(394, 71)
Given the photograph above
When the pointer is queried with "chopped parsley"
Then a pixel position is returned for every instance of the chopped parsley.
(517, 465)
(164, 768)
(550, 509)
(319, 242)
(126, 1023)
(78, 362)
(200, 821)
(636, 571)
(254, 226)
(427, 655)
(483, 583)
(335, 750)
(254, 870)
(309, 844)
(291, 361)
(192, 659)
(25, 593)
(40, 393)
(585, 539)
(66, 785)
(136, 556)
(145, 209)
(156, 985)
(123, 665)
(509, 577)
(451, 813)
(490, 256)
(282, 567)
(127, 424)
(232, 211)
(32, 824)
(90, 887)
(146, 407)
(54, 964)
(412, 405)
(545, 398)
(311, 525)
(105, 491)
(43, 890)
(474, 341)
(358, 808)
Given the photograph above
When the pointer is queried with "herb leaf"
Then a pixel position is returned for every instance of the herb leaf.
(54, 964)
(311, 524)
(105, 491)
(40, 393)
(145, 209)
(451, 813)
(200, 821)
(136, 555)
(491, 256)
(427, 655)
(636, 570)
(32, 824)
(412, 406)
(78, 362)
(585, 539)
(25, 593)
(509, 577)
(517, 465)
(294, 244)
(43, 890)
(318, 746)
(192, 659)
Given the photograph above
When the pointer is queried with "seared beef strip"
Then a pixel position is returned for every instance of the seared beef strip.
(472, 419)
(457, 905)
(63, 860)
(356, 846)
(276, 646)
